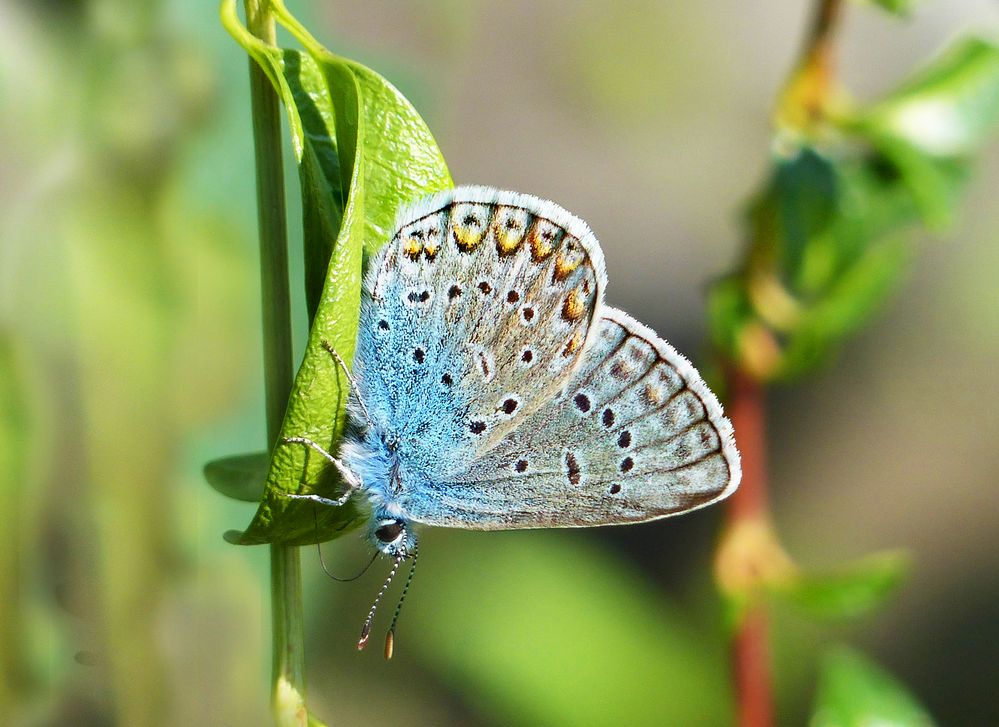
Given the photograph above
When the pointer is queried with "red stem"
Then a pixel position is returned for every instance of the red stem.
(747, 407)
(751, 647)
(751, 664)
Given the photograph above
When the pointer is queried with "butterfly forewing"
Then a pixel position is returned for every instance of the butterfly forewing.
(475, 315)
(633, 435)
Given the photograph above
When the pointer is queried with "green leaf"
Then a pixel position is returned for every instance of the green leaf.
(853, 692)
(363, 152)
(239, 476)
(901, 8)
(302, 87)
(950, 107)
(403, 161)
(798, 207)
(852, 299)
(931, 126)
(322, 176)
(504, 614)
(851, 591)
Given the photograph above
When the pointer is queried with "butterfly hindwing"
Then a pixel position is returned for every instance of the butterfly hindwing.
(633, 435)
(474, 315)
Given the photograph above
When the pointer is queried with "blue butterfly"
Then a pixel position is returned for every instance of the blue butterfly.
(494, 390)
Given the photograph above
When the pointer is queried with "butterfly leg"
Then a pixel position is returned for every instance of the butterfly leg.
(342, 500)
(353, 382)
(352, 480)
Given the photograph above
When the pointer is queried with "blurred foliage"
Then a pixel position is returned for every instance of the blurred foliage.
(17, 431)
(363, 151)
(831, 231)
(851, 590)
(896, 7)
(855, 693)
(104, 315)
(826, 239)
(751, 564)
(557, 606)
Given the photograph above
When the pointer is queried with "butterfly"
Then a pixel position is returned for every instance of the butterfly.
(493, 389)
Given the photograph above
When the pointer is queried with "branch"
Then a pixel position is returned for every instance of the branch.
(287, 626)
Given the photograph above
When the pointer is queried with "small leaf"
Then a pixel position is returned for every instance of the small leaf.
(798, 207)
(901, 8)
(852, 299)
(853, 692)
(750, 561)
(850, 591)
(240, 476)
(930, 127)
(950, 107)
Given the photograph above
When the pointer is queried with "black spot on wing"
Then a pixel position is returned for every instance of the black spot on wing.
(572, 469)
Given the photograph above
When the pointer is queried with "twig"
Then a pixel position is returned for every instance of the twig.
(804, 102)
(749, 505)
(287, 625)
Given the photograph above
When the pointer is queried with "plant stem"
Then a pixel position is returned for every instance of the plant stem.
(288, 665)
(817, 59)
(804, 102)
(819, 42)
(750, 648)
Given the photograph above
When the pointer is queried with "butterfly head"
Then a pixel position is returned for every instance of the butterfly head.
(394, 537)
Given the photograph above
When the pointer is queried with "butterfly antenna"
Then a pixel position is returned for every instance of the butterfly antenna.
(390, 636)
(322, 561)
(344, 580)
(350, 377)
(366, 629)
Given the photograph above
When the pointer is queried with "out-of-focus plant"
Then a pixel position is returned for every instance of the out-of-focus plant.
(103, 292)
(827, 237)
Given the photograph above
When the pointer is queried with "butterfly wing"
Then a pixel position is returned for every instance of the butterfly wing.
(474, 314)
(634, 435)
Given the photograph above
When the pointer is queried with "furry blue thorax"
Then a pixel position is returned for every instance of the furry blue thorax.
(374, 458)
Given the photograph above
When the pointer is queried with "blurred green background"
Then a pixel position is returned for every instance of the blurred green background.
(130, 354)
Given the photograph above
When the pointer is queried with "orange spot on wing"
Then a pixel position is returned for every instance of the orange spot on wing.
(542, 241)
(573, 307)
(509, 234)
(412, 248)
(573, 344)
(466, 238)
(565, 265)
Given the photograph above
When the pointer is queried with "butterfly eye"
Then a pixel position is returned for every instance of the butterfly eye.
(390, 532)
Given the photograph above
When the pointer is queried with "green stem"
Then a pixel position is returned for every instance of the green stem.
(288, 666)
